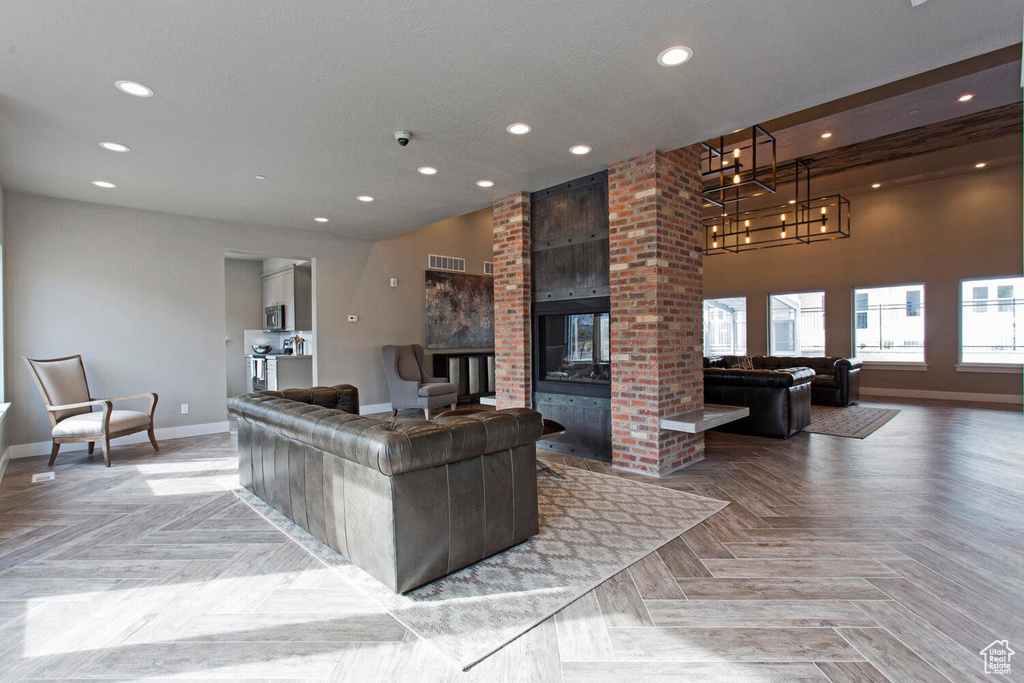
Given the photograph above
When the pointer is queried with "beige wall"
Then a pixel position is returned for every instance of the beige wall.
(141, 295)
(243, 309)
(935, 232)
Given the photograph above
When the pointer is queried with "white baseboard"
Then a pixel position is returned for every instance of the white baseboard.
(4, 459)
(375, 408)
(1012, 399)
(31, 450)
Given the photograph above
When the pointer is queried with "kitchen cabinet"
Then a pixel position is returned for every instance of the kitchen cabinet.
(293, 288)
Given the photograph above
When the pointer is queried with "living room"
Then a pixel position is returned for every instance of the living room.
(876, 538)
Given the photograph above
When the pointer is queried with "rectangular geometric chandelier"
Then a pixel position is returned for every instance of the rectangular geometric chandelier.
(732, 173)
(801, 220)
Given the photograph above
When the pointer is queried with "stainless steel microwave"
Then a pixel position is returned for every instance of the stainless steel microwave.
(273, 318)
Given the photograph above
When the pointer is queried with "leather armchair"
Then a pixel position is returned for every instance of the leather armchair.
(779, 400)
(411, 385)
(407, 500)
(70, 407)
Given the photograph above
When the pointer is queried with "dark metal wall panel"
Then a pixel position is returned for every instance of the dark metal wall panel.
(571, 272)
(587, 421)
(569, 240)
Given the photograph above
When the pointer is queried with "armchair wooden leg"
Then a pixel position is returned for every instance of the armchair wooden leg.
(152, 439)
(106, 449)
(394, 412)
(92, 447)
(53, 453)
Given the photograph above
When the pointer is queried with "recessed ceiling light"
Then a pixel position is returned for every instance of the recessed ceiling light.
(260, 177)
(792, 201)
(876, 185)
(674, 56)
(580, 149)
(114, 146)
(826, 135)
(320, 219)
(519, 128)
(133, 88)
(912, 111)
(104, 184)
(427, 170)
(485, 183)
(364, 198)
(966, 97)
(980, 164)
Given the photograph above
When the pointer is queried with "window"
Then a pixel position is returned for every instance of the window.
(725, 326)
(889, 325)
(797, 324)
(861, 310)
(990, 328)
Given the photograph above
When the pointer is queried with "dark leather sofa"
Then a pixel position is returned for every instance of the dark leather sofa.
(836, 380)
(402, 499)
(779, 400)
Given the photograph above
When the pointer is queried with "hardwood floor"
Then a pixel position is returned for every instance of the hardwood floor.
(896, 558)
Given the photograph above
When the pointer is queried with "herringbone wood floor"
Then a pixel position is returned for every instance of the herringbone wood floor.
(898, 557)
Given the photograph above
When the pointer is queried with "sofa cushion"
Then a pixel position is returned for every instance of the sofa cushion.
(437, 389)
(89, 424)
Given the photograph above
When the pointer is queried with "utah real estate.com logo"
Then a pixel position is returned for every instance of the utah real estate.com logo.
(997, 657)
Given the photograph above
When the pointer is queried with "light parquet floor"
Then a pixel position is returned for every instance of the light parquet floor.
(893, 558)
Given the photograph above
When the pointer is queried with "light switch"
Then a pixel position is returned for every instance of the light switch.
(353, 318)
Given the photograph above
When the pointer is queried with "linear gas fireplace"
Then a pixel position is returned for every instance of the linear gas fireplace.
(572, 351)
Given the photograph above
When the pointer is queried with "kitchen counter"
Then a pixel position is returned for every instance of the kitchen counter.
(279, 356)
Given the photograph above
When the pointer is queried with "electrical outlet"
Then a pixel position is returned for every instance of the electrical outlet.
(43, 476)
(394, 282)
(184, 409)
(353, 318)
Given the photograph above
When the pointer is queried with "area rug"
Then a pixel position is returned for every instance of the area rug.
(592, 526)
(856, 422)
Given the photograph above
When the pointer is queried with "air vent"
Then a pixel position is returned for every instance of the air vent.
(436, 262)
(488, 268)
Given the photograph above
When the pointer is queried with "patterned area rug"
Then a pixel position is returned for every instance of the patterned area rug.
(856, 422)
(592, 526)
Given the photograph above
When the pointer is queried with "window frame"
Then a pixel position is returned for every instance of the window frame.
(974, 366)
(746, 328)
(910, 365)
(824, 311)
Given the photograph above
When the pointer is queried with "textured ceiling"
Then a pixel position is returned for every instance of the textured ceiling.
(309, 93)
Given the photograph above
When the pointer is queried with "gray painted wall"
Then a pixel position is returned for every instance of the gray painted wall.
(243, 307)
(936, 232)
(141, 295)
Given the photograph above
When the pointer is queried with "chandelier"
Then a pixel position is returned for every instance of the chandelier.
(734, 172)
(744, 224)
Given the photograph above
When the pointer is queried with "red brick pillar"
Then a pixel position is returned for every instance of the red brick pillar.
(512, 294)
(657, 287)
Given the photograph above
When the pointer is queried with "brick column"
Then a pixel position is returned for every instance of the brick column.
(657, 287)
(512, 293)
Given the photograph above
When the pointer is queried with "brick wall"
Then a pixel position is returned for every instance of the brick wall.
(656, 307)
(511, 236)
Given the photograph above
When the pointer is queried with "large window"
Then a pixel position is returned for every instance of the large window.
(725, 326)
(889, 324)
(991, 320)
(797, 324)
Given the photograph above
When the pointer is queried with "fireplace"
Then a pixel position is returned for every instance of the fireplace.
(572, 354)
(572, 373)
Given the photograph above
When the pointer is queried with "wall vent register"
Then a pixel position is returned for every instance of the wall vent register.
(437, 262)
(488, 268)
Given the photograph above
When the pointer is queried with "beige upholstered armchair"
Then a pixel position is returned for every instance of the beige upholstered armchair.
(65, 392)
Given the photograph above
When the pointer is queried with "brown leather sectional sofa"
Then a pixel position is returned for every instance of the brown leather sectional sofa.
(402, 499)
